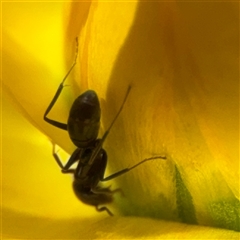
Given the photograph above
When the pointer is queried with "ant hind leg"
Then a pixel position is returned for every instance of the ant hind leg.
(100, 209)
(99, 190)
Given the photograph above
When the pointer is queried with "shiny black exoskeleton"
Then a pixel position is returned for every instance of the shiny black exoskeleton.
(83, 127)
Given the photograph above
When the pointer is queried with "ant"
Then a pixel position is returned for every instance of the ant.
(83, 127)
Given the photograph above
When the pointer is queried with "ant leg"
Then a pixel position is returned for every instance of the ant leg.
(53, 122)
(72, 159)
(119, 190)
(99, 190)
(101, 141)
(128, 169)
(57, 94)
(100, 209)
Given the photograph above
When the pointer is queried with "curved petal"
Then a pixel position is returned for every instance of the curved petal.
(181, 60)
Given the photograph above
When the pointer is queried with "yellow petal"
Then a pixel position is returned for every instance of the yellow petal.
(33, 63)
(108, 228)
(175, 56)
(181, 60)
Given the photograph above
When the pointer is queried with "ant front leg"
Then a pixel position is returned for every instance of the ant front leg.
(57, 94)
(53, 122)
(71, 161)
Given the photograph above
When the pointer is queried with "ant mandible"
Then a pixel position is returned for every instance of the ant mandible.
(83, 127)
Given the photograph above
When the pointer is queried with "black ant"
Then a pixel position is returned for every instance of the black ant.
(83, 126)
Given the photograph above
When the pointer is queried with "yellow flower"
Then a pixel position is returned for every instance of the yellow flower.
(181, 59)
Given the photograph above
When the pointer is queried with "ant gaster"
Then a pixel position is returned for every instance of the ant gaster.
(83, 126)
